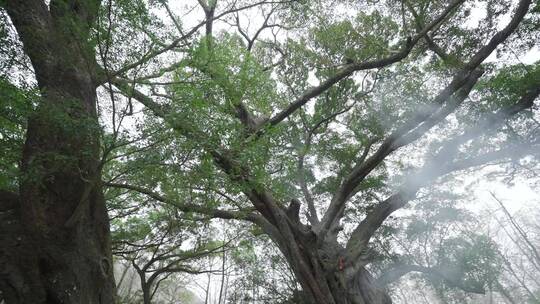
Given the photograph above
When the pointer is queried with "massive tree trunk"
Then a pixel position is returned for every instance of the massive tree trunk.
(319, 264)
(55, 232)
(324, 274)
(336, 287)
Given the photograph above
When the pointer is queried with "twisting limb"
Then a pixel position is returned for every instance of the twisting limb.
(438, 167)
(416, 127)
(398, 139)
(350, 68)
(186, 207)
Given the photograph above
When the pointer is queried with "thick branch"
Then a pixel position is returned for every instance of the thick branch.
(260, 199)
(349, 69)
(129, 90)
(440, 165)
(416, 127)
(431, 44)
(185, 207)
(34, 26)
(501, 36)
(209, 9)
(398, 139)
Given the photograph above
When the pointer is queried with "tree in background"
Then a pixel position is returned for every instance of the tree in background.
(518, 235)
(159, 248)
(443, 248)
(260, 274)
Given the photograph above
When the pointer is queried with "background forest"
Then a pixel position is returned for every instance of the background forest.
(288, 151)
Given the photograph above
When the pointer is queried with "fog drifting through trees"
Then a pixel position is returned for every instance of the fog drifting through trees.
(234, 151)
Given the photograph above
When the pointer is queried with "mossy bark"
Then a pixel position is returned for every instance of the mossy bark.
(55, 234)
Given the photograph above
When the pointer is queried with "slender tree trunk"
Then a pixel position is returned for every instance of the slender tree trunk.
(147, 297)
(146, 285)
(55, 245)
(207, 290)
(223, 274)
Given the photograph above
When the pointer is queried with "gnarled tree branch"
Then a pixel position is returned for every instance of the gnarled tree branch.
(413, 129)
(438, 167)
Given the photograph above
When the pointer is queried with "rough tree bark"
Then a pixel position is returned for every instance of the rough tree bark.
(55, 231)
(321, 270)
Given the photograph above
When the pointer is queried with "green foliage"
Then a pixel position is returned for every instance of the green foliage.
(368, 36)
(262, 272)
(132, 229)
(509, 83)
(219, 79)
(474, 260)
(15, 108)
(214, 76)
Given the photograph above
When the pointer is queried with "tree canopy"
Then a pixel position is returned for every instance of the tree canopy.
(339, 133)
